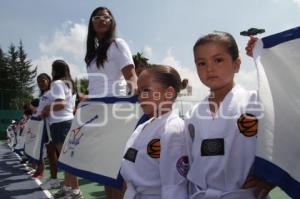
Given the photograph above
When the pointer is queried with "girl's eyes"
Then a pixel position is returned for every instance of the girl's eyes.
(143, 91)
(200, 64)
(203, 63)
(219, 60)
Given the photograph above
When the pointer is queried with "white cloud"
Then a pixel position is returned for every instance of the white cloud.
(67, 43)
(199, 90)
(147, 51)
(44, 64)
(248, 79)
(69, 39)
(297, 2)
(169, 59)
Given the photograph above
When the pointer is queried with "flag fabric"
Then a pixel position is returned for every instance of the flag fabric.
(93, 148)
(20, 138)
(10, 134)
(277, 58)
(34, 138)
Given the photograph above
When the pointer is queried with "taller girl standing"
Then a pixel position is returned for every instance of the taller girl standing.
(222, 128)
(109, 64)
(108, 58)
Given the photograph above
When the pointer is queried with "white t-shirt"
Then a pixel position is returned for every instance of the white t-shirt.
(156, 158)
(222, 150)
(44, 100)
(108, 80)
(59, 90)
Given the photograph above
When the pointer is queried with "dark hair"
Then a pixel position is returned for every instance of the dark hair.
(96, 47)
(167, 76)
(35, 102)
(26, 109)
(61, 71)
(140, 63)
(220, 37)
(44, 76)
(139, 60)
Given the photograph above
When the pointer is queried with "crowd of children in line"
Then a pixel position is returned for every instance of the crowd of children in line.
(207, 155)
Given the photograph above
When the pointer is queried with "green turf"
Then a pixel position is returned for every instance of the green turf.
(277, 193)
(90, 190)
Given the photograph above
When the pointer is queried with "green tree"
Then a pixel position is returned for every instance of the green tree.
(81, 86)
(140, 62)
(17, 77)
(8, 85)
(27, 74)
(12, 76)
(4, 72)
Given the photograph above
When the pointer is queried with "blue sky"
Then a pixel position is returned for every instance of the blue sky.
(165, 30)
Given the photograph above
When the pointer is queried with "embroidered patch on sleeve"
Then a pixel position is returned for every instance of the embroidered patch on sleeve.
(212, 147)
(247, 124)
(153, 148)
(130, 154)
(183, 165)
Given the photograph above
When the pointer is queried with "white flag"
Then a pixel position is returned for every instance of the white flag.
(34, 134)
(94, 146)
(277, 59)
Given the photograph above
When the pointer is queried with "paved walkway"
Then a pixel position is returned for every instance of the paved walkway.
(14, 182)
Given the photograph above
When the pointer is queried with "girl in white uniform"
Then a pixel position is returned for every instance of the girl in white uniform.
(155, 159)
(221, 130)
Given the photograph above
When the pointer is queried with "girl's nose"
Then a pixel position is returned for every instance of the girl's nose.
(210, 67)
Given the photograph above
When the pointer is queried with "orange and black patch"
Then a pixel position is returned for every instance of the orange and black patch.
(247, 124)
(153, 148)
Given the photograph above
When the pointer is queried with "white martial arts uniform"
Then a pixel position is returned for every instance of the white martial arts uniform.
(162, 174)
(222, 154)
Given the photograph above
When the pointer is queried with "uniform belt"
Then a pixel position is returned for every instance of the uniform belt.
(216, 194)
(132, 191)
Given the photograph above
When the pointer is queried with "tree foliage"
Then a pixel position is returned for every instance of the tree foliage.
(81, 86)
(17, 77)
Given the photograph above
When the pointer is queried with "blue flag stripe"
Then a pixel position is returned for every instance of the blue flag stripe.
(288, 35)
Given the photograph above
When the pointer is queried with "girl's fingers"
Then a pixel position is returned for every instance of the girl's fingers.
(262, 187)
(250, 182)
(250, 45)
(253, 39)
(263, 194)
